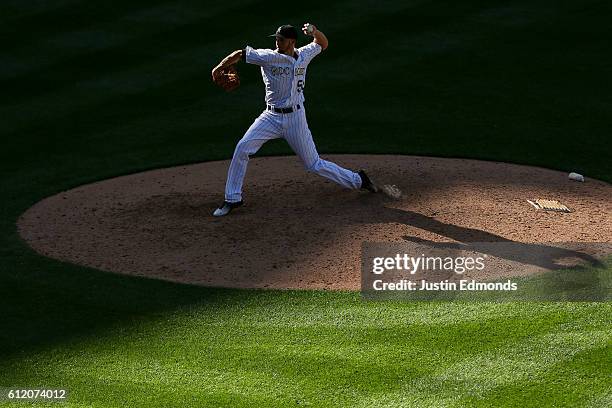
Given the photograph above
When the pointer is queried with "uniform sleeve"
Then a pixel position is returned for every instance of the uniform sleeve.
(310, 51)
(257, 56)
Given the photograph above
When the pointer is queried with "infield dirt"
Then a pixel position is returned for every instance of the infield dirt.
(298, 230)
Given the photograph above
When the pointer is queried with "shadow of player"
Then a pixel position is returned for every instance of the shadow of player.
(471, 239)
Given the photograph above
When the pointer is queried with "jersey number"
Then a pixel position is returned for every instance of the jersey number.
(300, 85)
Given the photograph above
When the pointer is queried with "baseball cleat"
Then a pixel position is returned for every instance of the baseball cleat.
(226, 208)
(366, 183)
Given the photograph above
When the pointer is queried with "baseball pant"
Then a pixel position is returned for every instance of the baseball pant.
(294, 129)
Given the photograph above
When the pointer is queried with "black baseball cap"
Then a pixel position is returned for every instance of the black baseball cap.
(286, 31)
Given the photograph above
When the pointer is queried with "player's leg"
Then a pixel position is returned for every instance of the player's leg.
(266, 127)
(299, 137)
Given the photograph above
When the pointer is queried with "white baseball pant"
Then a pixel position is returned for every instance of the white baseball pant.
(294, 129)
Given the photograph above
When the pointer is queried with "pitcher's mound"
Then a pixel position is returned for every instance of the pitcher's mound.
(298, 230)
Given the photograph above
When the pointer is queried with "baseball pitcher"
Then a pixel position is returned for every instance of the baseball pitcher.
(284, 75)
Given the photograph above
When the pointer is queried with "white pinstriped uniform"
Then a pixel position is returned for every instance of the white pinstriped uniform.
(284, 78)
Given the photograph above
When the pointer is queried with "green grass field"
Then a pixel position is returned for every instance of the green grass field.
(92, 90)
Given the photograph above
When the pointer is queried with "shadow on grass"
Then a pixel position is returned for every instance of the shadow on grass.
(46, 302)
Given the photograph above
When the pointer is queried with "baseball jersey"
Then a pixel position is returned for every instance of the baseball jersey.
(283, 75)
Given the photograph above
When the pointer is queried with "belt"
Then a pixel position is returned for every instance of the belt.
(284, 110)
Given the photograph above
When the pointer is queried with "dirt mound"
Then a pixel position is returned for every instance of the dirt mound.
(298, 230)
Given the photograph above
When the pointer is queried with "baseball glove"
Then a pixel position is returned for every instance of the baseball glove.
(227, 78)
